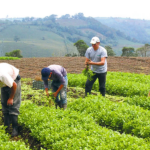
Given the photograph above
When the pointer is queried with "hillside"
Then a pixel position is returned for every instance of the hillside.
(53, 36)
(133, 29)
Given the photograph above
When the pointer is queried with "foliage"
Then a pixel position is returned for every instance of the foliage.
(71, 129)
(86, 122)
(14, 53)
(81, 47)
(16, 38)
(52, 28)
(118, 83)
(128, 51)
(71, 55)
(9, 58)
(110, 51)
(88, 73)
(122, 117)
(142, 51)
(6, 143)
(135, 30)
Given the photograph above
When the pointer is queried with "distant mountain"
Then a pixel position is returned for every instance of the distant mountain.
(52, 36)
(135, 30)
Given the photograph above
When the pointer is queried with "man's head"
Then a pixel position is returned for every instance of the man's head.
(95, 41)
(45, 72)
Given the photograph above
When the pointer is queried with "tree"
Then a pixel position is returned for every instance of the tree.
(128, 51)
(67, 16)
(142, 51)
(16, 38)
(14, 53)
(110, 51)
(81, 47)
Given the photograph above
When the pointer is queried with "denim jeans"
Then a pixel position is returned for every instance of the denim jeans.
(63, 92)
(5, 94)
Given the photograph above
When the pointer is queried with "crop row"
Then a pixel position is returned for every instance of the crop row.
(5, 142)
(69, 129)
(114, 85)
(122, 117)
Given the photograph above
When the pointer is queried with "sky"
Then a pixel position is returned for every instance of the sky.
(134, 9)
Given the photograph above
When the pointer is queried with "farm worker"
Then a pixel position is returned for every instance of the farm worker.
(96, 56)
(58, 75)
(10, 95)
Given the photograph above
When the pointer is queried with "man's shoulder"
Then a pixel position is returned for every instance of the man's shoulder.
(102, 49)
(90, 49)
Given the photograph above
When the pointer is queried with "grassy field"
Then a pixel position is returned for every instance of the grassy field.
(38, 41)
(31, 43)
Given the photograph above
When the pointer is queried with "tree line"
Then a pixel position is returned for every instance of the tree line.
(126, 51)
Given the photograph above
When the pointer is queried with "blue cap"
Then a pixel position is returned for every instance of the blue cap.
(45, 72)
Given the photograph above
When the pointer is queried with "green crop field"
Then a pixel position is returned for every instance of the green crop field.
(120, 120)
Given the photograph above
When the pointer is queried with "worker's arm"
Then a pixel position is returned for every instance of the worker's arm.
(60, 87)
(46, 90)
(100, 63)
(13, 91)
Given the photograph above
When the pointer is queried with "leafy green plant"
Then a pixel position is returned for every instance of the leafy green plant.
(88, 73)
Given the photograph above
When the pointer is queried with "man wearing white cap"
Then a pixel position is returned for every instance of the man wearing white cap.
(96, 56)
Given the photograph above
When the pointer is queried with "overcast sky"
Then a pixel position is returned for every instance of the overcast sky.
(136, 9)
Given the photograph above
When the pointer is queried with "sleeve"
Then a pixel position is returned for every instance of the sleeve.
(104, 53)
(46, 83)
(87, 54)
(8, 80)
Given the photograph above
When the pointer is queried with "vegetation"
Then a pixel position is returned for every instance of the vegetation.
(81, 47)
(143, 51)
(128, 51)
(14, 53)
(16, 39)
(9, 58)
(43, 37)
(116, 121)
(110, 51)
(134, 30)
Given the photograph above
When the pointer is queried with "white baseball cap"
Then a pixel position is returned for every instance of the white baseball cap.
(95, 40)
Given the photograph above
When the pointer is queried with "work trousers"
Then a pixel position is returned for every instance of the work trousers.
(102, 80)
(5, 94)
(63, 92)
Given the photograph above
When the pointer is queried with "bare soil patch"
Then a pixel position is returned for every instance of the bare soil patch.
(31, 67)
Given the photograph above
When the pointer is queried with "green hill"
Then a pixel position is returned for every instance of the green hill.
(53, 36)
(31, 43)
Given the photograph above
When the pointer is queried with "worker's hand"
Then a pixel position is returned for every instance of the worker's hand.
(55, 94)
(88, 62)
(10, 101)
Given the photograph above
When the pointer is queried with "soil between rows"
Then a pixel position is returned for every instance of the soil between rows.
(31, 67)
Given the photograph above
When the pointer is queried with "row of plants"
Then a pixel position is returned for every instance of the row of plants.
(114, 85)
(142, 101)
(57, 129)
(9, 58)
(122, 117)
(39, 96)
(5, 142)
(141, 78)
